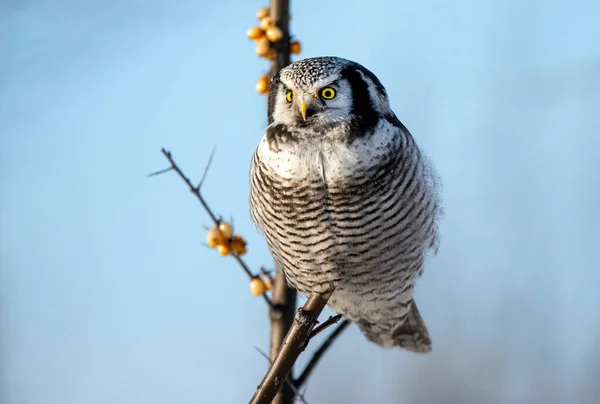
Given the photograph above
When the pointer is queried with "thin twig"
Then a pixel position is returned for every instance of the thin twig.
(268, 276)
(212, 154)
(319, 353)
(159, 172)
(293, 344)
(196, 191)
(287, 380)
(321, 327)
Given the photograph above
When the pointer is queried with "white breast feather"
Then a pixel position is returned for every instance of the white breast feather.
(329, 156)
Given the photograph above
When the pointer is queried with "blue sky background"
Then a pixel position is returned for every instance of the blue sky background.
(106, 292)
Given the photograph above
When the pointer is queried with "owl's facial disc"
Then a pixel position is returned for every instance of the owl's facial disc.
(324, 102)
(316, 96)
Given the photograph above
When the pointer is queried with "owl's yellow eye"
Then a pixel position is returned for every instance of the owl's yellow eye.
(288, 95)
(328, 93)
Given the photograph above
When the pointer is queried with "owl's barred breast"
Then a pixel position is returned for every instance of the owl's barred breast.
(357, 214)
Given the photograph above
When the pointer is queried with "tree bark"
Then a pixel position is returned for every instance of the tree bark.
(282, 317)
(284, 298)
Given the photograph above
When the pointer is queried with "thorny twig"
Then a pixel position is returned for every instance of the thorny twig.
(196, 191)
(321, 327)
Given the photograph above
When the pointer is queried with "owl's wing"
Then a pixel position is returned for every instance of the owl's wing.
(432, 181)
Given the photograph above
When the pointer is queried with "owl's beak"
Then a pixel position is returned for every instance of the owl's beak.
(307, 106)
(303, 108)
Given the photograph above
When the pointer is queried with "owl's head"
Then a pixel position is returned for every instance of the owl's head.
(324, 91)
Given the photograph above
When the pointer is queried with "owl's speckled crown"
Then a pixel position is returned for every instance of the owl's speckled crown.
(310, 70)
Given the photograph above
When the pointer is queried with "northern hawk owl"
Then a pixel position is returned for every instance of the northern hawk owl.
(345, 198)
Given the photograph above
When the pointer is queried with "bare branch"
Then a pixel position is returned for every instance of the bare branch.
(319, 353)
(293, 344)
(282, 317)
(287, 380)
(196, 191)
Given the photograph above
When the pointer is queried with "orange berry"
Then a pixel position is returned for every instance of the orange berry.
(262, 85)
(266, 23)
(238, 245)
(224, 249)
(274, 34)
(255, 33)
(295, 48)
(262, 47)
(262, 13)
(214, 237)
(226, 230)
(257, 286)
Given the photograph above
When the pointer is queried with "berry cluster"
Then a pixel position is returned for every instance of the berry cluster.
(222, 238)
(265, 35)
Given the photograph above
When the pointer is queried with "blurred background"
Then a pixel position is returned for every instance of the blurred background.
(107, 294)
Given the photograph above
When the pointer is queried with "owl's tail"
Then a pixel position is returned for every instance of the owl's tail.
(411, 335)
